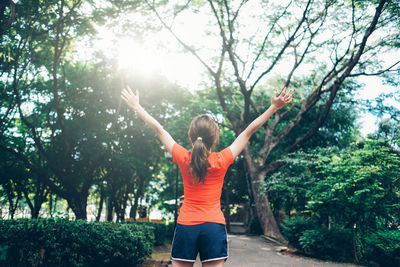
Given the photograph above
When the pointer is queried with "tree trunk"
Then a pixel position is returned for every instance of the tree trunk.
(38, 199)
(30, 204)
(13, 207)
(134, 208)
(100, 209)
(263, 208)
(355, 249)
(138, 194)
(109, 209)
(131, 212)
(78, 205)
(35, 211)
(118, 213)
(124, 205)
(51, 206)
(37, 205)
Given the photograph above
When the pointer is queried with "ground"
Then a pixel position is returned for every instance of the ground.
(251, 251)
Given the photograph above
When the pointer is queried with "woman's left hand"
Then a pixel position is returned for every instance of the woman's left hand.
(130, 98)
(283, 99)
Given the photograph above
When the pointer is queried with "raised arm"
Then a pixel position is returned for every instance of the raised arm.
(133, 101)
(277, 102)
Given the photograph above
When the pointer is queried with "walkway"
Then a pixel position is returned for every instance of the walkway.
(254, 251)
(248, 251)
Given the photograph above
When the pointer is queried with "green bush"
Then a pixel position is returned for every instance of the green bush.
(328, 244)
(170, 232)
(383, 247)
(293, 228)
(161, 231)
(58, 242)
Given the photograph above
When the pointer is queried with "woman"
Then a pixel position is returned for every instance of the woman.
(201, 223)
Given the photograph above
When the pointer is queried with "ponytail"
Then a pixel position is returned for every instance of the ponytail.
(199, 163)
(203, 134)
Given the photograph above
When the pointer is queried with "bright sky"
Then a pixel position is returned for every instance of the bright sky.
(374, 86)
(136, 57)
(151, 56)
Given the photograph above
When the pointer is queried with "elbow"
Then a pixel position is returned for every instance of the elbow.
(249, 133)
(159, 131)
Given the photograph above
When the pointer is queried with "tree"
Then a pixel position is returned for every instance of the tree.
(288, 186)
(389, 122)
(39, 75)
(299, 32)
(62, 117)
(358, 189)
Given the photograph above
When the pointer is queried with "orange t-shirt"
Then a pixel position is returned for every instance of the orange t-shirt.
(202, 200)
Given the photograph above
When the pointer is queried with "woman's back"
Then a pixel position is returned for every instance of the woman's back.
(202, 199)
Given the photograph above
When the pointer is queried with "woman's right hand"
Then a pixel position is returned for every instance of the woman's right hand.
(282, 100)
(130, 98)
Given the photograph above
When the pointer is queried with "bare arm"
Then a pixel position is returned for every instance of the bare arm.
(133, 101)
(277, 102)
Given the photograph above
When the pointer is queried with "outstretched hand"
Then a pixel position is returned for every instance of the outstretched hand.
(130, 98)
(283, 99)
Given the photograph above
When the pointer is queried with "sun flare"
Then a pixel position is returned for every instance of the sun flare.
(133, 56)
(148, 57)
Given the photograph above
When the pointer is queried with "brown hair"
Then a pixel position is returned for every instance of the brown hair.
(203, 133)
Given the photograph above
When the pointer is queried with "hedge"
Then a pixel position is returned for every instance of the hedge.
(162, 233)
(328, 244)
(383, 247)
(294, 227)
(380, 247)
(59, 242)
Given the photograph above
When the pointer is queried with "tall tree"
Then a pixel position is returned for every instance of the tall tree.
(42, 92)
(334, 40)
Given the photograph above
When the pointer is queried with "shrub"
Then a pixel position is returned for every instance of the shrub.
(328, 244)
(59, 242)
(170, 232)
(293, 228)
(383, 247)
(161, 231)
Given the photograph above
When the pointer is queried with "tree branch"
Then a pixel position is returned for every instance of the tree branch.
(338, 82)
(287, 43)
(187, 47)
(389, 69)
(265, 40)
(41, 175)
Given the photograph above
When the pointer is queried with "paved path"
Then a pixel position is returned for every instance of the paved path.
(254, 251)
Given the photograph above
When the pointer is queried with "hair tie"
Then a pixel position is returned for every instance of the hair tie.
(199, 138)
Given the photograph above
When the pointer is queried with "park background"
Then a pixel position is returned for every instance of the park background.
(322, 174)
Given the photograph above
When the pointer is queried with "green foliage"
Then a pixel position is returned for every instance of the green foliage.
(352, 197)
(328, 244)
(3, 253)
(358, 186)
(294, 227)
(162, 232)
(383, 247)
(289, 187)
(49, 242)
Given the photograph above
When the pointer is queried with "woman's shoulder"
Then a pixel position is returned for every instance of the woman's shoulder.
(179, 153)
(223, 158)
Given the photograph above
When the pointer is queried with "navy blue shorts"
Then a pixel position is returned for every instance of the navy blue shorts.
(208, 239)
